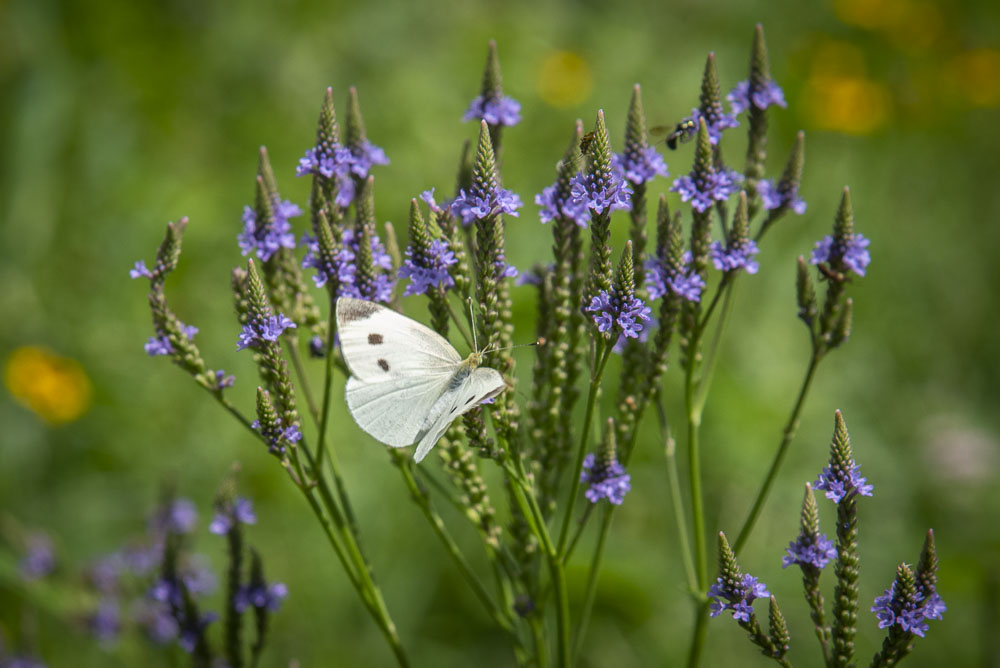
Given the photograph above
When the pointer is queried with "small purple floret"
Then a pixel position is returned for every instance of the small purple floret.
(267, 238)
(855, 256)
(495, 111)
(471, 206)
(740, 98)
(430, 272)
(661, 280)
(253, 333)
(639, 166)
(890, 609)
(586, 191)
(719, 188)
(241, 512)
(839, 484)
(738, 599)
(738, 257)
(816, 551)
(608, 481)
(140, 270)
(554, 207)
(714, 123)
(158, 345)
(773, 197)
(613, 311)
(39, 559)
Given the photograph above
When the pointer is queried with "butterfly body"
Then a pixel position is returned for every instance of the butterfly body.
(407, 382)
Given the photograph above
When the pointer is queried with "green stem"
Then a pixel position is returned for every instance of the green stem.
(327, 384)
(581, 525)
(602, 354)
(698, 635)
(300, 371)
(708, 366)
(438, 526)
(525, 498)
(670, 451)
(538, 637)
(790, 428)
(592, 576)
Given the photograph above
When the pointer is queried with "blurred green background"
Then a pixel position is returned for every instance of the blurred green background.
(116, 117)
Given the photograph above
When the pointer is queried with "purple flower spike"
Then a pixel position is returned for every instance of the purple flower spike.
(855, 256)
(662, 280)
(553, 207)
(470, 207)
(254, 333)
(430, 272)
(891, 608)
(815, 551)
(266, 238)
(241, 512)
(773, 197)
(740, 98)
(608, 481)
(639, 167)
(495, 111)
(737, 598)
(838, 483)
(158, 345)
(223, 381)
(39, 559)
(738, 257)
(140, 270)
(719, 188)
(715, 124)
(587, 192)
(624, 313)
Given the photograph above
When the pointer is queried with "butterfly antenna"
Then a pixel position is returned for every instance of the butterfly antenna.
(472, 320)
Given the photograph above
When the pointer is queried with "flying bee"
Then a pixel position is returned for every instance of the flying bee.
(683, 132)
(585, 142)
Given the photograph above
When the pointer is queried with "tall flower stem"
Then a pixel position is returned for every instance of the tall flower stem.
(300, 371)
(789, 433)
(601, 356)
(438, 526)
(590, 594)
(670, 453)
(524, 495)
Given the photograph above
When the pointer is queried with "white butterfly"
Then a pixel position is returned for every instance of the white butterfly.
(407, 382)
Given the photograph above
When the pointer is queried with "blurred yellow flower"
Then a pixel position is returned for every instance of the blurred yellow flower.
(908, 23)
(56, 388)
(850, 104)
(976, 74)
(564, 79)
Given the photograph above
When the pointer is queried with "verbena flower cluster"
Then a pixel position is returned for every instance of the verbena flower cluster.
(613, 311)
(910, 615)
(737, 597)
(605, 480)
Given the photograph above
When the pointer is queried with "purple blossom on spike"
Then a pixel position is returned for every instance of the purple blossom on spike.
(619, 346)
(495, 111)
(39, 558)
(738, 257)
(855, 256)
(317, 348)
(640, 166)
(585, 191)
(889, 609)
(738, 599)
(430, 272)
(576, 210)
(180, 516)
(662, 279)
(428, 196)
(608, 481)
(363, 155)
(773, 198)
(740, 98)
(158, 345)
(140, 270)
(193, 629)
(470, 207)
(714, 125)
(718, 188)
(241, 511)
(266, 597)
(816, 551)
(223, 381)
(612, 311)
(267, 238)
(344, 269)
(105, 622)
(838, 483)
(155, 618)
(269, 330)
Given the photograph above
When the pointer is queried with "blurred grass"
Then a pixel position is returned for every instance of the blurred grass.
(116, 117)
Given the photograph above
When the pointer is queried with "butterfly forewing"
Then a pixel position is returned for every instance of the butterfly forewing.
(379, 344)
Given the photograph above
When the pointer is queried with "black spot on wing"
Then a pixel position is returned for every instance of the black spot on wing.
(383, 365)
(374, 339)
(350, 310)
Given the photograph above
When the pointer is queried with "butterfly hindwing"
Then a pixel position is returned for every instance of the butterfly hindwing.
(471, 389)
(396, 414)
(381, 345)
